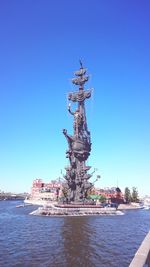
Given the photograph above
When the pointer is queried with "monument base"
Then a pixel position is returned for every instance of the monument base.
(75, 210)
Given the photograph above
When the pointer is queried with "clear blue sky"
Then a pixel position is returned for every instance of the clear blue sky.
(41, 42)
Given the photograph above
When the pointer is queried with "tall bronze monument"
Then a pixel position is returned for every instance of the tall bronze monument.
(79, 144)
(77, 183)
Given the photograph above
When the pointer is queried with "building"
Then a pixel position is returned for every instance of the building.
(112, 194)
(45, 191)
(51, 191)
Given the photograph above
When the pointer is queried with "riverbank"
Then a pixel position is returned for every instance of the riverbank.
(39, 202)
(131, 206)
(49, 203)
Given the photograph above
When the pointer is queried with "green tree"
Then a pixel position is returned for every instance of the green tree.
(102, 199)
(127, 195)
(134, 195)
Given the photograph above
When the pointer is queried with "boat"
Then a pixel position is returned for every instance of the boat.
(20, 206)
(145, 207)
(23, 205)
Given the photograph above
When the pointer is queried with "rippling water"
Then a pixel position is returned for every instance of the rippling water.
(34, 241)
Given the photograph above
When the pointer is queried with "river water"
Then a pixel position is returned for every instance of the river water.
(91, 241)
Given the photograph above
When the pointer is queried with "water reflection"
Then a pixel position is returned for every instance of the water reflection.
(76, 235)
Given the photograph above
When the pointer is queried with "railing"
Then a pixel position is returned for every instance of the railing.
(142, 256)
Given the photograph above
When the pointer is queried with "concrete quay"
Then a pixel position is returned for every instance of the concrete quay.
(131, 206)
(39, 202)
(142, 256)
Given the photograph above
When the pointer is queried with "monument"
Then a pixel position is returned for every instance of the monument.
(77, 177)
(79, 144)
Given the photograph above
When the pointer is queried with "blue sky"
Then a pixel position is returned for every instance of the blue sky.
(41, 43)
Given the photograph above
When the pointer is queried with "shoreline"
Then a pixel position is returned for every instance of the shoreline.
(132, 206)
(49, 203)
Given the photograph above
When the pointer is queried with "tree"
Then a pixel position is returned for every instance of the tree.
(102, 198)
(134, 196)
(127, 195)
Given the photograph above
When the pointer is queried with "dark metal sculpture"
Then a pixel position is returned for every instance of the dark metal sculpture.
(77, 177)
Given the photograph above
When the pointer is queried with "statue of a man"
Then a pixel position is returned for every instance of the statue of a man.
(78, 120)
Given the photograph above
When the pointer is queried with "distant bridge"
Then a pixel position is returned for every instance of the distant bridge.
(11, 196)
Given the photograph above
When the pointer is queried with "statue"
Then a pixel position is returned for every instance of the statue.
(79, 144)
(78, 120)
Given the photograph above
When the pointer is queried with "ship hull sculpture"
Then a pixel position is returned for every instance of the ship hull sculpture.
(79, 144)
